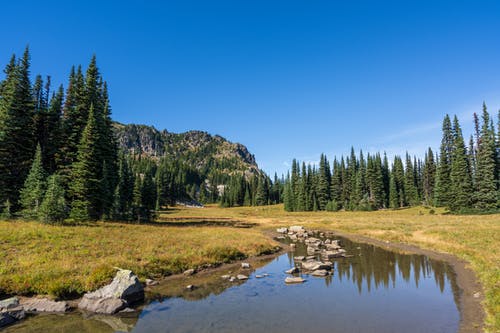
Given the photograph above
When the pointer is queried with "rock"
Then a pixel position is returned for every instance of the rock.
(127, 310)
(189, 272)
(320, 272)
(232, 279)
(292, 270)
(6, 319)
(190, 287)
(292, 280)
(299, 258)
(226, 277)
(44, 305)
(293, 246)
(477, 295)
(102, 305)
(125, 289)
(259, 276)
(332, 246)
(315, 265)
(9, 303)
(293, 237)
(297, 229)
(332, 254)
(265, 275)
(241, 277)
(150, 282)
(311, 250)
(282, 230)
(245, 265)
(328, 241)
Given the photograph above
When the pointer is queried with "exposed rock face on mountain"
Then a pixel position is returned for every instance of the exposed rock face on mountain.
(199, 149)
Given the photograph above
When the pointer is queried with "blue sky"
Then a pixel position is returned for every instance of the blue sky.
(286, 78)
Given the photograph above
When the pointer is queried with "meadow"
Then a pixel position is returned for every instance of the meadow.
(65, 261)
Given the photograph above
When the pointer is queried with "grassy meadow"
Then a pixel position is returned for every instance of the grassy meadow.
(65, 261)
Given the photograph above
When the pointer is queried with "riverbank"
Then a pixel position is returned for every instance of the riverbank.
(67, 261)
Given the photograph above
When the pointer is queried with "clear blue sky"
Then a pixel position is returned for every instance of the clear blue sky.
(286, 78)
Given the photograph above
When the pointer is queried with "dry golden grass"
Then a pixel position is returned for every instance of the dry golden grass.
(65, 261)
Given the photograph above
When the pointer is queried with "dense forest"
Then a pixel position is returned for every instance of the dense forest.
(463, 179)
(60, 158)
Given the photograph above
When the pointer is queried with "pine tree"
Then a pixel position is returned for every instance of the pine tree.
(17, 135)
(411, 194)
(33, 191)
(442, 190)
(324, 181)
(461, 182)
(53, 208)
(429, 177)
(86, 173)
(393, 193)
(486, 195)
(53, 130)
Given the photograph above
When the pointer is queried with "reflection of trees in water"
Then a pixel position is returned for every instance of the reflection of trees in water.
(377, 267)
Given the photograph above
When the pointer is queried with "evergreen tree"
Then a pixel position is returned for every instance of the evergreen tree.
(429, 177)
(461, 182)
(86, 173)
(17, 135)
(411, 193)
(53, 208)
(486, 195)
(324, 181)
(33, 191)
(442, 189)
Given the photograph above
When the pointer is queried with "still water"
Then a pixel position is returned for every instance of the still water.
(375, 290)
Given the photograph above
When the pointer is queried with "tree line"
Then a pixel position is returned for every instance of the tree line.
(462, 178)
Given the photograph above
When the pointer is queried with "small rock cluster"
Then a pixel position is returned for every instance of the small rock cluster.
(240, 277)
(326, 249)
(13, 309)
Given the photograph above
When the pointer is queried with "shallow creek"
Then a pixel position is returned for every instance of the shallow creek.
(371, 290)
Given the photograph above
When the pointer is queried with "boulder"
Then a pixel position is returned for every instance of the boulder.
(241, 277)
(297, 229)
(332, 254)
(314, 265)
(299, 258)
(245, 265)
(292, 280)
(226, 277)
(259, 276)
(150, 282)
(189, 272)
(320, 272)
(292, 270)
(191, 287)
(122, 291)
(102, 305)
(6, 319)
(9, 303)
(282, 230)
(44, 305)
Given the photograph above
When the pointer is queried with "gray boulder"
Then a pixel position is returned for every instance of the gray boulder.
(102, 305)
(241, 277)
(297, 229)
(189, 272)
(122, 291)
(315, 265)
(292, 270)
(282, 230)
(11, 315)
(9, 303)
(44, 305)
(320, 272)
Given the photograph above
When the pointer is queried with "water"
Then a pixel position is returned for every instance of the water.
(375, 290)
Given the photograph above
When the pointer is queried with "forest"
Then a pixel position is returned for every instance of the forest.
(463, 178)
(60, 161)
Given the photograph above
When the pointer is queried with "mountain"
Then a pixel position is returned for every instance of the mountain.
(201, 151)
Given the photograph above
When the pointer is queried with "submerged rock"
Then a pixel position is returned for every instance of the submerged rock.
(45, 305)
(125, 289)
(292, 280)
